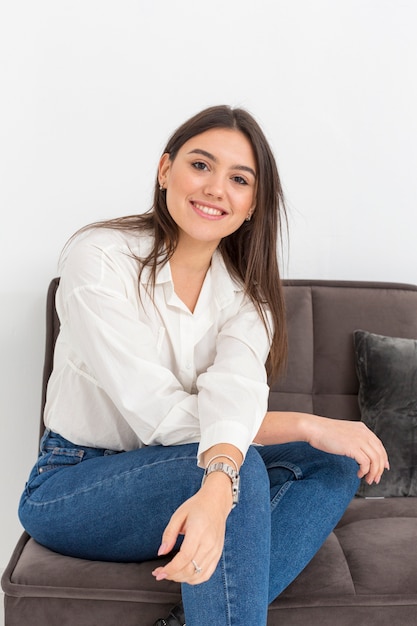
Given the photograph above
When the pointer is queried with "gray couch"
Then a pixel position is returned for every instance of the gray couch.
(366, 572)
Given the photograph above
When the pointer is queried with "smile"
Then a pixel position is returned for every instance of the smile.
(208, 210)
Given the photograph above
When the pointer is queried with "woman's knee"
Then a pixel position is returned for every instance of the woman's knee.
(342, 472)
(335, 472)
(254, 481)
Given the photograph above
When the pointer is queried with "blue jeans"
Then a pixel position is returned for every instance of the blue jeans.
(103, 505)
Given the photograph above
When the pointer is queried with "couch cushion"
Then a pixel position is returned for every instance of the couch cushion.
(348, 571)
(322, 315)
(348, 582)
(387, 373)
(44, 587)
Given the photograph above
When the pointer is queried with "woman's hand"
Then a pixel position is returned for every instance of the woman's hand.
(202, 521)
(347, 438)
(352, 439)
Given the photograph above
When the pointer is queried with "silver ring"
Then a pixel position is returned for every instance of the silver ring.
(196, 568)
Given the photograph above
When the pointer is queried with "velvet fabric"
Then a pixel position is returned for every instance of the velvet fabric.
(387, 373)
(348, 578)
(366, 571)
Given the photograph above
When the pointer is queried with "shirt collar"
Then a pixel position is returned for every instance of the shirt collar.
(163, 275)
(224, 285)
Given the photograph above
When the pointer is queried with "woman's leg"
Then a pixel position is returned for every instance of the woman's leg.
(97, 505)
(237, 593)
(310, 491)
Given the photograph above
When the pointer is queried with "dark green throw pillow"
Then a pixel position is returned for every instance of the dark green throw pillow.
(387, 373)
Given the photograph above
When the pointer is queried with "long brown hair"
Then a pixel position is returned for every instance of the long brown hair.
(251, 252)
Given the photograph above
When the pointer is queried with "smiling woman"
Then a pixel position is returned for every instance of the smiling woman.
(211, 188)
(169, 323)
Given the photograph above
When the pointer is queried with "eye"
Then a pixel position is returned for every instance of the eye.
(199, 165)
(239, 180)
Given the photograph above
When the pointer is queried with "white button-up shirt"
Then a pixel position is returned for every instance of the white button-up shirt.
(135, 368)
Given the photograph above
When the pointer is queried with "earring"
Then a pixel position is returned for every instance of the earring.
(248, 218)
(161, 187)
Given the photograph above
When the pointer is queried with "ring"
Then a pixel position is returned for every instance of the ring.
(196, 568)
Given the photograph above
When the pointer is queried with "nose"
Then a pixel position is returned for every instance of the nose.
(214, 186)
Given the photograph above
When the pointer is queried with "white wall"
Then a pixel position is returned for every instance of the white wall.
(90, 90)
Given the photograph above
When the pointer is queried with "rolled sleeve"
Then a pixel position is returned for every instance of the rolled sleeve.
(233, 393)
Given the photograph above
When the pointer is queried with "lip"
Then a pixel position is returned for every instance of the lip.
(207, 210)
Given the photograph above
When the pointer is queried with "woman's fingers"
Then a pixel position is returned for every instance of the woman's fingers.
(376, 461)
(352, 439)
(376, 458)
(192, 564)
(184, 567)
(174, 528)
(203, 528)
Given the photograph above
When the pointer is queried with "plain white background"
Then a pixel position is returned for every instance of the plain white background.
(90, 90)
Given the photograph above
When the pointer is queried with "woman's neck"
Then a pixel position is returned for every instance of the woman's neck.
(189, 266)
(193, 257)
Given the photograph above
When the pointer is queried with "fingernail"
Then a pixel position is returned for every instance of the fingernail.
(159, 574)
(162, 549)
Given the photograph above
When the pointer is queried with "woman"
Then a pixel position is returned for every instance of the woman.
(159, 389)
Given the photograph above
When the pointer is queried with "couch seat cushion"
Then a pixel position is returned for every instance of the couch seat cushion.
(350, 570)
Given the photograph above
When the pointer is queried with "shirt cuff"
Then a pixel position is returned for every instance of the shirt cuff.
(220, 432)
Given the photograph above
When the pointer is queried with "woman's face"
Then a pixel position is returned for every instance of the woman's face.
(210, 185)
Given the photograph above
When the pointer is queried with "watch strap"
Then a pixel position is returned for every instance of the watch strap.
(230, 472)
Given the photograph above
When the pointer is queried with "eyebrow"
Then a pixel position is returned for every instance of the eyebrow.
(208, 155)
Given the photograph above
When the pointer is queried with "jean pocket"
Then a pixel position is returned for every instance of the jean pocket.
(57, 457)
(50, 461)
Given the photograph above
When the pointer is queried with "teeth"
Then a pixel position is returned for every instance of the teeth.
(207, 210)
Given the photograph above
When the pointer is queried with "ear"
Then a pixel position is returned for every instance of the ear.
(163, 169)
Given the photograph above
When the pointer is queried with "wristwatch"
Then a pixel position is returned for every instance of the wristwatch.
(231, 473)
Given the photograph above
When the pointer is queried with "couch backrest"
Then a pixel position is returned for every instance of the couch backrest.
(52, 330)
(322, 315)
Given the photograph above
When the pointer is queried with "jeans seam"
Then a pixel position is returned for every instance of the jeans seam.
(99, 483)
(281, 493)
(295, 469)
(226, 588)
(298, 475)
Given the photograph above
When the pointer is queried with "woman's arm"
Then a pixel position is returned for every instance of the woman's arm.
(344, 437)
(202, 521)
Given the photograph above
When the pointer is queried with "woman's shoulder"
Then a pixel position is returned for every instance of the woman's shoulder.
(108, 241)
(107, 237)
(92, 247)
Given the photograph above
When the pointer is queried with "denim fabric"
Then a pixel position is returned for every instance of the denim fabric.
(101, 505)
